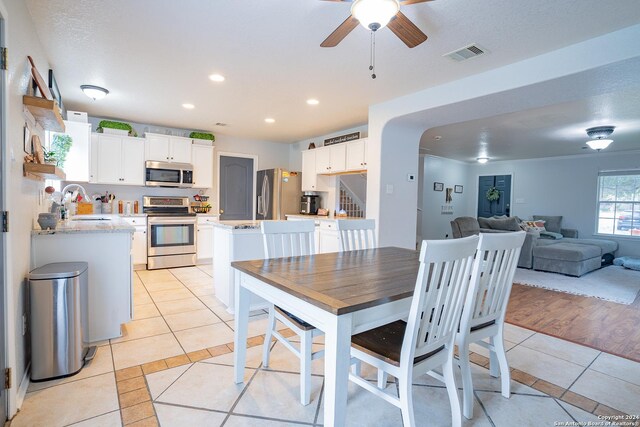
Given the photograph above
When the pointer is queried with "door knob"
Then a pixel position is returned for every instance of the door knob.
(221, 211)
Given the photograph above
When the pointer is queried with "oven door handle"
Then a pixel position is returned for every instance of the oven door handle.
(165, 220)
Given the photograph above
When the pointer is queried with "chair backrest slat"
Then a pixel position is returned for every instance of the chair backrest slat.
(356, 234)
(443, 278)
(492, 278)
(288, 238)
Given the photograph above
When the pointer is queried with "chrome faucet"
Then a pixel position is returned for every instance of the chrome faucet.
(83, 192)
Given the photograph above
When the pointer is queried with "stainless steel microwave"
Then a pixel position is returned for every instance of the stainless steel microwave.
(164, 174)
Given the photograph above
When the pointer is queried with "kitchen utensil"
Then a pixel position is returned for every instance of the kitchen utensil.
(42, 85)
(37, 149)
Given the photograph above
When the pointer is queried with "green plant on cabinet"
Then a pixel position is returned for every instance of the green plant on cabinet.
(202, 135)
(116, 125)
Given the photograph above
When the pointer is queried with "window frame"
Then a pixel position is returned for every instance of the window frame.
(635, 205)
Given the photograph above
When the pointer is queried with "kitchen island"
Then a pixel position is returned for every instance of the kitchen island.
(234, 241)
(104, 242)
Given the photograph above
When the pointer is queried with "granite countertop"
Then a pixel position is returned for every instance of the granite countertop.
(83, 224)
(321, 217)
(238, 225)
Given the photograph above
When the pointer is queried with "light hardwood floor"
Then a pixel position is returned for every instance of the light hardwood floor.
(607, 326)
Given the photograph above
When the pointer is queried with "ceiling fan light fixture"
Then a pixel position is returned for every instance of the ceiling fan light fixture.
(482, 160)
(94, 92)
(374, 14)
(599, 144)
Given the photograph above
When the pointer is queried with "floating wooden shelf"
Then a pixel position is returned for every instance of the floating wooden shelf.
(46, 112)
(41, 172)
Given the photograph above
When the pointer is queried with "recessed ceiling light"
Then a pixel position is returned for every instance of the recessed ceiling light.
(313, 101)
(216, 78)
(188, 106)
(269, 120)
(482, 160)
(94, 92)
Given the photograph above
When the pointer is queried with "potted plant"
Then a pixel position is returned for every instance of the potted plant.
(60, 146)
(116, 128)
(50, 158)
(206, 136)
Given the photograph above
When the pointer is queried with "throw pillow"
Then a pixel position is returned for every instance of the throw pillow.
(535, 225)
(551, 235)
(551, 223)
(483, 222)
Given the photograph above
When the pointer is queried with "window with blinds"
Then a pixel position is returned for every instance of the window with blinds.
(619, 203)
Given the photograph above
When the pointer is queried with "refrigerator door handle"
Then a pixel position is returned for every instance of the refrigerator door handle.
(266, 200)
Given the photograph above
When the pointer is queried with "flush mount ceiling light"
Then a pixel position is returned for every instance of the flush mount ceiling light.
(374, 14)
(269, 120)
(599, 135)
(482, 160)
(218, 78)
(313, 101)
(94, 92)
(188, 106)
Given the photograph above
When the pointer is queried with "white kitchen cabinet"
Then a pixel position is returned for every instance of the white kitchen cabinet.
(328, 237)
(356, 155)
(204, 239)
(93, 159)
(309, 175)
(77, 163)
(166, 148)
(331, 159)
(120, 160)
(139, 244)
(202, 160)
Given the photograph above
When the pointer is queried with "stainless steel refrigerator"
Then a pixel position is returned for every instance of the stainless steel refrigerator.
(279, 193)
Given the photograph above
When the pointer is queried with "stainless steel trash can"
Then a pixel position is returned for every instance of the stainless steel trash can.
(58, 295)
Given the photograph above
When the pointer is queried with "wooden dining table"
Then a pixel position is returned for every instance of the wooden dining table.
(341, 294)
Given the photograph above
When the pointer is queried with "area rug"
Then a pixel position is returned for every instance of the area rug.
(613, 283)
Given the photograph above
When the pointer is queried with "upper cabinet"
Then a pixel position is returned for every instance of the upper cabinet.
(165, 148)
(119, 160)
(356, 155)
(76, 166)
(309, 177)
(332, 159)
(202, 160)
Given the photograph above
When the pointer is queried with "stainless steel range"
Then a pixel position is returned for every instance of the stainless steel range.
(171, 232)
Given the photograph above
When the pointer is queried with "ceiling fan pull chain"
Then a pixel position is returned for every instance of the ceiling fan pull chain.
(372, 67)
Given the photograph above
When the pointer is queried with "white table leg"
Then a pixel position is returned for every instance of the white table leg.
(242, 302)
(337, 349)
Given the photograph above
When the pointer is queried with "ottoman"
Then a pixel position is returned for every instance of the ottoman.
(567, 258)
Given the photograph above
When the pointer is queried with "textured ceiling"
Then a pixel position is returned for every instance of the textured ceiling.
(156, 55)
(557, 130)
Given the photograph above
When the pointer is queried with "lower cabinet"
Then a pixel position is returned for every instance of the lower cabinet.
(204, 239)
(328, 237)
(139, 244)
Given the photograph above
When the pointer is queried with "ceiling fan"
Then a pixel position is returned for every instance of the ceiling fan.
(376, 14)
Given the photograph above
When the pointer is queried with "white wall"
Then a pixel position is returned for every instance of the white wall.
(395, 126)
(435, 225)
(564, 186)
(22, 195)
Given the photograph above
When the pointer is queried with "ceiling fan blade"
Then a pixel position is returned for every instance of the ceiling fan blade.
(406, 2)
(340, 33)
(406, 30)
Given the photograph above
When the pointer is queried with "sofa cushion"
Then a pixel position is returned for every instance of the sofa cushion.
(505, 224)
(567, 252)
(551, 223)
(468, 225)
(607, 246)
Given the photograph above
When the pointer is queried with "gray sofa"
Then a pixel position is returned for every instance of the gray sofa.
(573, 256)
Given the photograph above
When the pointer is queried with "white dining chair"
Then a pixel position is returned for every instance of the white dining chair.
(425, 342)
(287, 239)
(356, 234)
(485, 307)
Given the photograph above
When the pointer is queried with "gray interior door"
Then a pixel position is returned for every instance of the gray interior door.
(3, 284)
(236, 188)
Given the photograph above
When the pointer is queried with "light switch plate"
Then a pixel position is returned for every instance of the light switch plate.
(389, 188)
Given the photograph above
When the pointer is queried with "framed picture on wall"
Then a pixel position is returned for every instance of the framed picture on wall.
(458, 188)
(27, 140)
(438, 186)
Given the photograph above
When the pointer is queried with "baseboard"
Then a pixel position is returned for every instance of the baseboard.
(24, 386)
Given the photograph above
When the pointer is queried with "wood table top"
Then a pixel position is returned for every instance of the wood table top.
(341, 282)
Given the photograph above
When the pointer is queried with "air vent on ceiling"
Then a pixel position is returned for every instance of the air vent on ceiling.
(221, 124)
(466, 52)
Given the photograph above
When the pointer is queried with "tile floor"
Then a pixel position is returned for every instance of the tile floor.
(173, 367)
